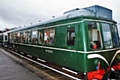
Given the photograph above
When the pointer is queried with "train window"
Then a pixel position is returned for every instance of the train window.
(17, 37)
(49, 36)
(70, 36)
(24, 37)
(34, 38)
(29, 37)
(107, 35)
(20, 37)
(115, 36)
(94, 35)
(12, 37)
(40, 37)
(6, 37)
(1, 38)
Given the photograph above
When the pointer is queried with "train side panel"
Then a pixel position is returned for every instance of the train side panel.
(63, 52)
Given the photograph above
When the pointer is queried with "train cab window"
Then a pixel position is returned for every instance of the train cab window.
(34, 36)
(94, 35)
(115, 36)
(107, 37)
(49, 36)
(40, 37)
(70, 36)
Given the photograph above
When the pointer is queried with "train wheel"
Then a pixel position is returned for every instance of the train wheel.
(109, 75)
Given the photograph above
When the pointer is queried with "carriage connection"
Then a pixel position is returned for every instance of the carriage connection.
(83, 40)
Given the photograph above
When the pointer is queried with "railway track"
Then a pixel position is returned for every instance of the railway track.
(45, 70)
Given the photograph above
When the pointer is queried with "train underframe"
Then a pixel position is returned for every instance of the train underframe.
(112, 72)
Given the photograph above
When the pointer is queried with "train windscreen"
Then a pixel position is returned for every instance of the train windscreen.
(102, 34)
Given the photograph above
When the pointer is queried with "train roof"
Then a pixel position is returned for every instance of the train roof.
(5, 33)
(92, 11)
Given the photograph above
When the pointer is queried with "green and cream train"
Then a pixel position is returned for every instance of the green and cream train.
(83, 40)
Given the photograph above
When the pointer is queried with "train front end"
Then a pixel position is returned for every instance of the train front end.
(102, 50)
(101, 44)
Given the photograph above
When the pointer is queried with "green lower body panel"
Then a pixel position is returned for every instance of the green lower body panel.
(72, 60)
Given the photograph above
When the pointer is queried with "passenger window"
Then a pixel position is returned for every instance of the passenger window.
(12, 37)
(70, 36)
(40, 37)
(24, 37)
(6, 37)
(94, 35)
(49, 36)
(18, 37)
(15, 37)
(34, 38)
(29, 37)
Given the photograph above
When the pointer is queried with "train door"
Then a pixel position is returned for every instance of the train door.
(1, 39)
(5, 40)
(40, 50)
(71, 37)
(40, 38)
(94, 35)
(72, 45)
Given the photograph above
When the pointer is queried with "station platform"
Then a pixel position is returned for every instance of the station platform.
(14, 67)
(11, 70)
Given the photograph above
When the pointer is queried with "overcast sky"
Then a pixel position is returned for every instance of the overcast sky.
(15, 13)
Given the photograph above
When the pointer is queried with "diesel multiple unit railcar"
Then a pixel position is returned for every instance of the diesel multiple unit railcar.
(82, 40)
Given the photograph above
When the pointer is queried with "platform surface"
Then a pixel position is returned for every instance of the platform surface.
(11, 70)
